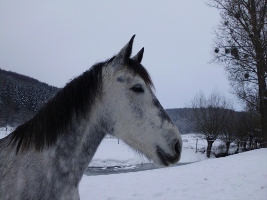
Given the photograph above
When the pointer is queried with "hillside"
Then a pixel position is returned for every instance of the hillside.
(21, 97)
(180, 117)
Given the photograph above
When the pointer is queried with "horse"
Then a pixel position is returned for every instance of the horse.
(45, 158)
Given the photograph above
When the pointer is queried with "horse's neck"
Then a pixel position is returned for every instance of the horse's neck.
(74, 150)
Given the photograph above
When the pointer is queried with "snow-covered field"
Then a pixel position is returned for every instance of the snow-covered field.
(238, 177)
(242, 176)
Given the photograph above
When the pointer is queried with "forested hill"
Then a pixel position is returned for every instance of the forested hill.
(181, 117)
(21, 97)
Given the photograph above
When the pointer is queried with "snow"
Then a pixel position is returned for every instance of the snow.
(110, 153)
(4, 132)
(241, 176)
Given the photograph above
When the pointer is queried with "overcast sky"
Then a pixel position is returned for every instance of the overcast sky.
(54, 41)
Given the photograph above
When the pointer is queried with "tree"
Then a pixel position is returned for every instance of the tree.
(229, 133)
(247, 129)
(241, 47)
(209, 116)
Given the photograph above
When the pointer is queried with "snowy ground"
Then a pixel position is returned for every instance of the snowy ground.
(242, 176)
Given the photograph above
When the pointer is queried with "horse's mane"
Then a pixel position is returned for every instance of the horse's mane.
(75, 99)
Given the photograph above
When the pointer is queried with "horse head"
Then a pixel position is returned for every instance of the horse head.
(132, 112)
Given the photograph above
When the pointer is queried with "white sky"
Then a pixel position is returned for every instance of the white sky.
(54, 41)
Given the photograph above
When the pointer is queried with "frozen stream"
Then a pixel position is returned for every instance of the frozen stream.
(94, 171)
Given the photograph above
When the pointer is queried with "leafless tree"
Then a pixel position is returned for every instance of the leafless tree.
(247, 129)
(241, 47)
(209, 116)
(229, 133)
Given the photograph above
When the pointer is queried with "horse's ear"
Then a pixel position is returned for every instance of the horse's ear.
(139, 56)
(125, 52)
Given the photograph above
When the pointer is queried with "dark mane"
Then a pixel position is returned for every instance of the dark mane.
(75, 99)
(51, 121)
(139, 69)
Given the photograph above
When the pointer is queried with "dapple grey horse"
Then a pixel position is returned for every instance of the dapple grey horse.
(45, 158)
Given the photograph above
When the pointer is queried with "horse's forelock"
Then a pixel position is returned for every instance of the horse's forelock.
(139, 69)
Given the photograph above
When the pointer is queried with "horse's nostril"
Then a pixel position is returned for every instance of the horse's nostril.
(177, 148)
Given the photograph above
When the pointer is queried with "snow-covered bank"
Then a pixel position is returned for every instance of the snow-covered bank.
(241, 176)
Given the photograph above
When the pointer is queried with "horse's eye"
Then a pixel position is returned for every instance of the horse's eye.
(137, 88)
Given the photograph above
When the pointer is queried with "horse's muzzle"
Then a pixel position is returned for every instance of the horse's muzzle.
(166, 159)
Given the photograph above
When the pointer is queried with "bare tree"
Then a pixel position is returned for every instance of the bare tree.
(247, 129)
(229, 133)
(241, 47)
(209, 116)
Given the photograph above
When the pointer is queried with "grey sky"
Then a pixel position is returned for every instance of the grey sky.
(54, 41)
